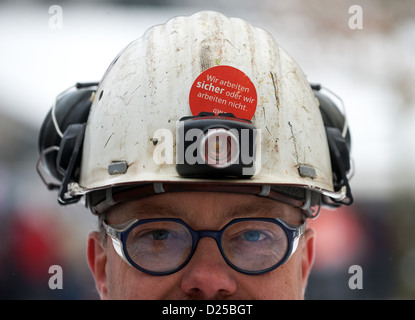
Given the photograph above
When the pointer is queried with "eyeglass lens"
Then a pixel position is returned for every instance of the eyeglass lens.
(162, 246)
(159, 246)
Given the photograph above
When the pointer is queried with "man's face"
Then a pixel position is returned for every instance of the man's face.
(207, 275)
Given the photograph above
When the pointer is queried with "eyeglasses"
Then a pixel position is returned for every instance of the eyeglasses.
(163, 246)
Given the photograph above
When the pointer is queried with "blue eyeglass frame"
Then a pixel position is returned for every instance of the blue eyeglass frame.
(119, 235)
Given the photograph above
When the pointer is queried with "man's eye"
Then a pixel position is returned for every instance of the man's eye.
(160, 234)
(253, 236)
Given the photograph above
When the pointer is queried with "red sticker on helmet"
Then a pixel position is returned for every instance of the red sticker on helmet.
(223, 89)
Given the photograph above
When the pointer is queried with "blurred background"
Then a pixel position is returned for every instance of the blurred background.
(369, 63)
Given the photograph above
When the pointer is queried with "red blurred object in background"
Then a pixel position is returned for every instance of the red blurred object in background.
(35, 245)
(340, 238)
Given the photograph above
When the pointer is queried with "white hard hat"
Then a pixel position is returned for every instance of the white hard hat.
(206, 73)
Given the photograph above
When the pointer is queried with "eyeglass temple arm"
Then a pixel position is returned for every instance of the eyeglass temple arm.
(114, 233)
(297, 233)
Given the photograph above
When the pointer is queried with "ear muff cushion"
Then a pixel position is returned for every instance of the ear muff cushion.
(72, 107)
(332, 117)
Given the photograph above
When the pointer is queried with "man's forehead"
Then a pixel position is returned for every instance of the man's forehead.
(188, 205)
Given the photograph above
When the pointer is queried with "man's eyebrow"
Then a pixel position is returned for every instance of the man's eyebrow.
(253, 210)
(156, 211)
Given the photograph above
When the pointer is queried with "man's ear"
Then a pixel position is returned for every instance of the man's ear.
(97, 260)
(308, 253)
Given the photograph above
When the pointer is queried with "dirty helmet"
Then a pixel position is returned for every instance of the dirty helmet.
(200, 103)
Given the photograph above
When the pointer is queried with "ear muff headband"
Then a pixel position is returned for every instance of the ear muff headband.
(68, 159)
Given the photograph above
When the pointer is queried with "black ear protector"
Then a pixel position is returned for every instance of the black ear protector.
(339, 141)
(61, 138)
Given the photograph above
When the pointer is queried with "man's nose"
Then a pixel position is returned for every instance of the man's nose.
(207, 275)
